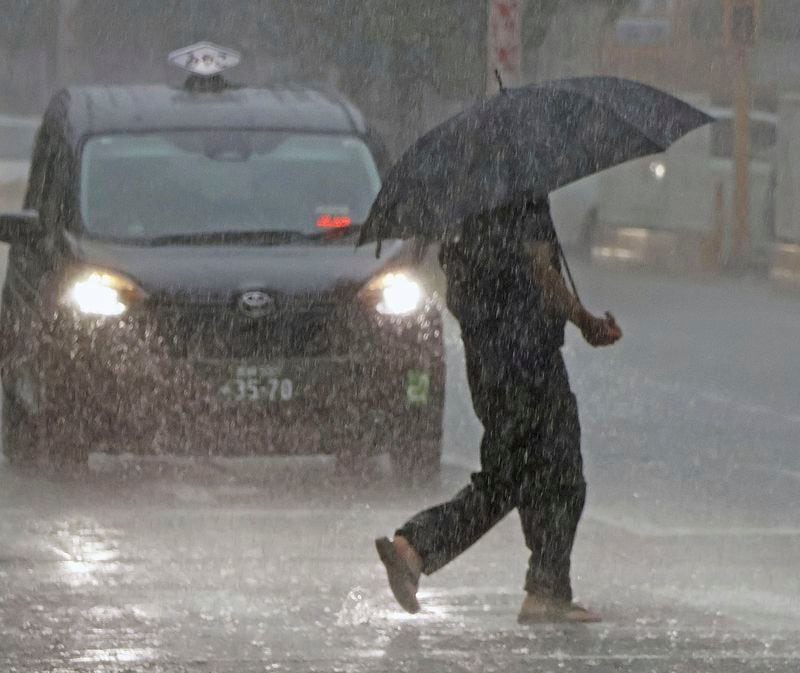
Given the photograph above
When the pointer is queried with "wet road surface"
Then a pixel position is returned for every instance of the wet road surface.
(689, 547)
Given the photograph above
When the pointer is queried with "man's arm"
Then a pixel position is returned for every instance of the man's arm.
(560, 301)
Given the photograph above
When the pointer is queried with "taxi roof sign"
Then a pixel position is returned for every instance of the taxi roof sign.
(205, 59)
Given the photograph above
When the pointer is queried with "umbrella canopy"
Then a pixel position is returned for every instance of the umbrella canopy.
(523, 143)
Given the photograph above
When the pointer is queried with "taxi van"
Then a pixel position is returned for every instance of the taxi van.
(184, 279)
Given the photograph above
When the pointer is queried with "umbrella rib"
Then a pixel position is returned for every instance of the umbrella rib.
(569, 86)
(612, 111)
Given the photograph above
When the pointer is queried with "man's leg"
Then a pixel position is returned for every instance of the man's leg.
(551, 501)
(549, 533)
(441, 533)
(434, 537)
(549, 523)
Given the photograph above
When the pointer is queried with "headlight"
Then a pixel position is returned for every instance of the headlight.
(658, 169)
(101, 293)
(398, 293)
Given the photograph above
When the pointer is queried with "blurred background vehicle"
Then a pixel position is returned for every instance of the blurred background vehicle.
(675, 209)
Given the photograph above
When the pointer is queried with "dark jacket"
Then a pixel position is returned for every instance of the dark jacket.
(491, 290)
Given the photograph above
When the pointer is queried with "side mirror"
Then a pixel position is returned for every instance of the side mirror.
(22, 227)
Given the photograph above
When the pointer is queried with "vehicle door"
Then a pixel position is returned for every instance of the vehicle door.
(31, 265)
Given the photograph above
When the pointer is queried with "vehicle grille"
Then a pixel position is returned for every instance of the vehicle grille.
(294, 329)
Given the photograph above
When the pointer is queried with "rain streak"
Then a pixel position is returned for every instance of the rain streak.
(382, 335)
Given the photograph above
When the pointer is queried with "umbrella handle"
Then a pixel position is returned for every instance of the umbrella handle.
(567, 269)
(499, 79)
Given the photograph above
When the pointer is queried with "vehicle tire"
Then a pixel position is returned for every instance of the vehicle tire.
(418, 463)
(20, 447)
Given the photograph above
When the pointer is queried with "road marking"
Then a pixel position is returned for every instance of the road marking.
(646, 529)
(714, 397)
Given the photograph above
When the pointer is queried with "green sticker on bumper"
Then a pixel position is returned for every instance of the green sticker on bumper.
(418, 386)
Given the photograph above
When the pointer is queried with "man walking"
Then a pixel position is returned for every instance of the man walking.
(505, 287)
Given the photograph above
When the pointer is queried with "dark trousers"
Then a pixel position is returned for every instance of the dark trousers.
(530, 460)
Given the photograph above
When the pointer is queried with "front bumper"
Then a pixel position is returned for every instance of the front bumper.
(118, 386)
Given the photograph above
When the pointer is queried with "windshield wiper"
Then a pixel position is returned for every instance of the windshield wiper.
(334, 234)
(269, 237)
(225, 237)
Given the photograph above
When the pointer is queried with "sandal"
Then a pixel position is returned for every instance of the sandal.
(400, 575)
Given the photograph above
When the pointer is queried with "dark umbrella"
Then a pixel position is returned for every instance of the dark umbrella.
(522, 143)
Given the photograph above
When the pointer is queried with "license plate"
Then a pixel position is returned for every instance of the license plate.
(258, 383)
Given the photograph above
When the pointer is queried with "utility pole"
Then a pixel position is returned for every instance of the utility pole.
(504, 44)
(741, 33)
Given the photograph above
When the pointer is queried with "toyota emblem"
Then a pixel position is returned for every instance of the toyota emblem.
(256, 304)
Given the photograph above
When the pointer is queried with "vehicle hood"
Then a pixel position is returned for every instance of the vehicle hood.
(221, 272)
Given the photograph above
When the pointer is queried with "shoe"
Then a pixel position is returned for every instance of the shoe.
(403, 581)
(542, 610)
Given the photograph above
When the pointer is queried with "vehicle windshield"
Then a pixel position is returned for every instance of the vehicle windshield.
(207, 183)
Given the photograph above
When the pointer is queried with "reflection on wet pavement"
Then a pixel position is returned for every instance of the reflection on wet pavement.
(147, 565)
